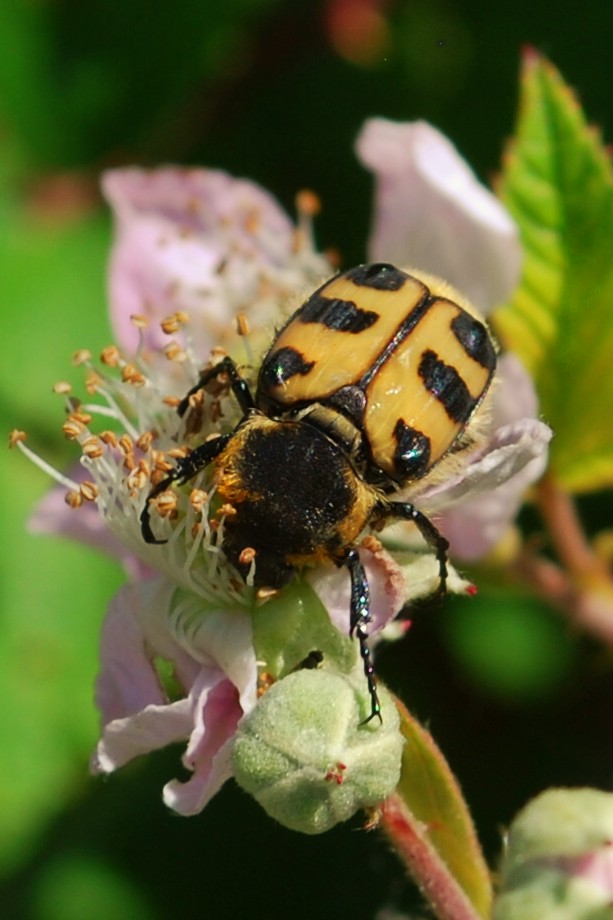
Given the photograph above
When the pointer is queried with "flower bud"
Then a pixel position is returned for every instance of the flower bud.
(308, 759)
(559, 858)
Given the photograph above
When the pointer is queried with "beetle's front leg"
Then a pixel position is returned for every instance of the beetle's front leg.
(238, 385)
(186, 468)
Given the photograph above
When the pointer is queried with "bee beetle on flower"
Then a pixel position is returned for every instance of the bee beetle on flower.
(365, 389)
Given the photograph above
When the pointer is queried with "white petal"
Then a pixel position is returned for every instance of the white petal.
(514, 394)
(477, 508)
(224, 637)
(520, 447)
(431, 212)
(422, 576)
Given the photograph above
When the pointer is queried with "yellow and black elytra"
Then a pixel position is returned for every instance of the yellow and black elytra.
(368, 385)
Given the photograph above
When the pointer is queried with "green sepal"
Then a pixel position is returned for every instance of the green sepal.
(557, 182)
(294, 623)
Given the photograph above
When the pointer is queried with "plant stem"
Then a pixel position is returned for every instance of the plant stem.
(580, 583)
(567, 535)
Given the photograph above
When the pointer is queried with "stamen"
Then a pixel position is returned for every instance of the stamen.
(166, 504)
(109, 438)
(139, 450)
(145, 441)
(130, 374)
(137, 480)
(115, 413)
(92, 382)
(371, 543)
(202, 532)
(83, 417)
(73, 430)
(62, 387)
(242, 324)
(172, 324)
(82, 356)
(92, 447)
(264, 594)
(188, 360)
(89, 491)
(140, 323)
(308, 205)
(247, 557)
(243, 329)
(199, 500)
(110, 356)
(174, 352)
(17, 441)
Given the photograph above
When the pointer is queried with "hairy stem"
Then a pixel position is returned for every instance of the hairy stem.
(566, 532)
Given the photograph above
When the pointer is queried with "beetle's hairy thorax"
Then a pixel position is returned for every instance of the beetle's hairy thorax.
(296, 496)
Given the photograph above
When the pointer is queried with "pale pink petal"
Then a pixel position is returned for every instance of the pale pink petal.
(194, 240)
(386, 582)
(209, 754)
(209, 776)
(128, 680)
(431, 212)
(150, 729)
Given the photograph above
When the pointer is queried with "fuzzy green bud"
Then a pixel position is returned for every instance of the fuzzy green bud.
(304, 755)
(559, 859)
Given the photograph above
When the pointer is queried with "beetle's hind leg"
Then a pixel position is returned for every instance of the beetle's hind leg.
(359, 617)
(186, 468)
(408, 512)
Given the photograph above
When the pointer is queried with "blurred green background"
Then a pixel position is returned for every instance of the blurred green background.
(275, 90)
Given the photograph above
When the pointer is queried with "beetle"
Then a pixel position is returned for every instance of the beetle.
(365, 389)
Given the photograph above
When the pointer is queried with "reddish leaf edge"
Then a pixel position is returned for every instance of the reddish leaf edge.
(411, 840)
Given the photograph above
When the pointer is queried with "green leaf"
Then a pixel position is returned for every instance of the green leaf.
(557, 182)
(435, 805)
